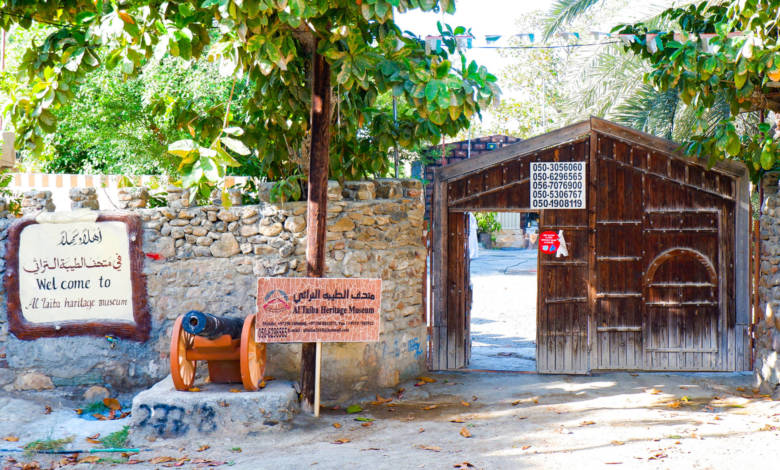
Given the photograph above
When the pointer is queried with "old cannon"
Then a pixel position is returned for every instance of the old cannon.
(226, 344)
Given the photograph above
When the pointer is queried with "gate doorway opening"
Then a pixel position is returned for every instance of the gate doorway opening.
(503, 276)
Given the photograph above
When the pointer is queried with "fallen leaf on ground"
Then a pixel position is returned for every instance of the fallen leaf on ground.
(465, 403)
(354, 409)
(525, 447)
(163, 459)
(47, 410)
(457, 420)
(93, 441)
(463, 465)
(342, 441)
(193, 389)
(430, 407)
(465, 432)
(674, 404)
(653, 391)
(536, 401)
(336, 425)
(207, 463)
(112, 403)
(613, 463)
(474, 397)
(204, 447)
(768, 427)
(11, 438)
(587, 423)
(425, 379)
(364, 419)
(516, 402)
(78, 411)
(234, 390)
(431, 448)
(90, 459)
(740, 389)
(379, 400)
(365, 425)
(617, 443)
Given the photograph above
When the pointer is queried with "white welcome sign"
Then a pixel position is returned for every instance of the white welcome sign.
(75, 271)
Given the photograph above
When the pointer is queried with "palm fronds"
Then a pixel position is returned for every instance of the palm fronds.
(564, 11)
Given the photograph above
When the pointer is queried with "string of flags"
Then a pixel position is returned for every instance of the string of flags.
(572, 39)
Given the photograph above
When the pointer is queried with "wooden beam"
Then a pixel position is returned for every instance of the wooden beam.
(669, 147)
(317, 207)
(488, 191)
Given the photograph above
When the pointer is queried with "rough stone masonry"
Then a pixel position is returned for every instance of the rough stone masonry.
(767, 329)
(209, 257)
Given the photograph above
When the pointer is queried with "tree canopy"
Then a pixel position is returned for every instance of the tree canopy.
(724, 55)
(264, 46)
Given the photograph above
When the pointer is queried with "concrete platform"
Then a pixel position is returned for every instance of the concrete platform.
(164, 412)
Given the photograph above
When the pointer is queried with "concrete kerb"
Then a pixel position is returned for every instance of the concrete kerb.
(163, 412)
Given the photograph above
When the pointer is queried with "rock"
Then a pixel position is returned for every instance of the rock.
(33, 381)
(95, 393)
(295, 224)
(271, 230)
(227, 216)
(342, 225)
(226, 246)
(164, 247)
(248, 230)
(213, 412)
(334, 191)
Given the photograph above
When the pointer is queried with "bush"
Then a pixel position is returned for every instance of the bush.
(487, 223)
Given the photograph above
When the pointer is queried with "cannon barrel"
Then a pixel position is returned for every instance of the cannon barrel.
(211, 326)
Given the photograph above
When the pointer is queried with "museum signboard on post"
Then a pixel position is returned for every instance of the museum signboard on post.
(77, 274)
(302, 310)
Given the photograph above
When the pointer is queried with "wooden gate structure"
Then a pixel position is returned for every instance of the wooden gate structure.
(657, 272)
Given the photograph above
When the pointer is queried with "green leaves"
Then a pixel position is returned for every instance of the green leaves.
(733, 71)
(260, 45)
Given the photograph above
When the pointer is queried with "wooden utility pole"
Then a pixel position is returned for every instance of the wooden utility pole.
(316, 220)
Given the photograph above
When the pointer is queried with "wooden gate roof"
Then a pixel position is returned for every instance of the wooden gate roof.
(572, 133)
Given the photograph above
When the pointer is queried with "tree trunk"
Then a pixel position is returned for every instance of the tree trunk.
(317, 206)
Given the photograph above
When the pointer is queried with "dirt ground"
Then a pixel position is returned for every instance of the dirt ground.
(495, 421)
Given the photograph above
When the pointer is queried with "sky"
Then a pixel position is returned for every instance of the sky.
(482, 16)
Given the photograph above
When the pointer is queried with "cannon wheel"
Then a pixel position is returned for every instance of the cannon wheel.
(252, 356)
(182, 370)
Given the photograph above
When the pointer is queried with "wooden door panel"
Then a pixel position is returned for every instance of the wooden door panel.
(618, 261)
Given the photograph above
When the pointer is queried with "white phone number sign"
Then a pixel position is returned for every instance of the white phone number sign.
(558, 185)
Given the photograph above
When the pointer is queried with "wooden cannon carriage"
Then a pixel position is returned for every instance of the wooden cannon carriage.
(226, 344)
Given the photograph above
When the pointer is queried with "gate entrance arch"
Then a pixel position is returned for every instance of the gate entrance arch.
(656, 276)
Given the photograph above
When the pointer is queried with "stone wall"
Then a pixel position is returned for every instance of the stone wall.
(767, 329)
(209, 257)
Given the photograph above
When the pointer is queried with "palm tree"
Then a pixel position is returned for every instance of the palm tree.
(609, 80)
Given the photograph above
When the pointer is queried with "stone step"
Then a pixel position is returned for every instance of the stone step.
(164, 412)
